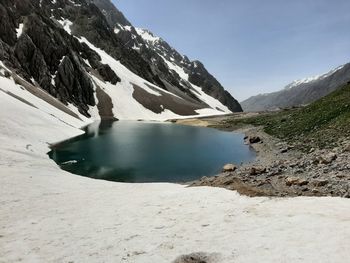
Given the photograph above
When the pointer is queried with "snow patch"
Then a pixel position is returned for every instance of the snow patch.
(66, 24)
(69, 162)
(19, 30)
(120, 69)
(74, 3)
(127, 28)
(210, 101)
(147, 35)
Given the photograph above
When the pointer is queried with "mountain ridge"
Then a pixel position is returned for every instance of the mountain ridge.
(158, 52)
(300, 92)
(70, 50)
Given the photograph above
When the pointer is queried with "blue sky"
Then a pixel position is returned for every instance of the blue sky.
(251, 46)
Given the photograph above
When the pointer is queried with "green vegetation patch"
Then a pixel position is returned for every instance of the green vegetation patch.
(321, 124)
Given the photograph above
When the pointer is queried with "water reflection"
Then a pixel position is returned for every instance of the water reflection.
(150, 152)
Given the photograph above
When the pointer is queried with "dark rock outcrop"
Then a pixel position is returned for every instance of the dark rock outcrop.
(73, 82)
(46, 53)
(112, 14)
(199, 76)
(108, 74)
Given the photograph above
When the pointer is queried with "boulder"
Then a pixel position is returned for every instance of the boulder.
(257, 170)
(327, 158)
(284, 150)
(254, 139)
(229, 168)
(347, 148)
(320, 183)
(7, 74)
(290, 181)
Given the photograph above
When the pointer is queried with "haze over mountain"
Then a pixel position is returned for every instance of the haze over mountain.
(300, 92)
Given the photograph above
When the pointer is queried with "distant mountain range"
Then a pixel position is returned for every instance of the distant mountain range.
(87, 55)
(300, 92)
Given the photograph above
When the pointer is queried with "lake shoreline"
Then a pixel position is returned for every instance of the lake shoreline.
(149, 152)
(74, 218)
(279, 169)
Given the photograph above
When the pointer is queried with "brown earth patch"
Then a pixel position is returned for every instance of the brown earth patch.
(158, 104)
(104, 105)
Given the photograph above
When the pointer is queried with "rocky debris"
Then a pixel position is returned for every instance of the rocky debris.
(257, 170)
(315, 173)
(229, 168)
(347, 148)
(286, 148)
(320, 183)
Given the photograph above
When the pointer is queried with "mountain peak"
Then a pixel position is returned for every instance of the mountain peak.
(147, 35)
(112, 14)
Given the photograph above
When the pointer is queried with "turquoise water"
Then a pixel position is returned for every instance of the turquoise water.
(150, 152)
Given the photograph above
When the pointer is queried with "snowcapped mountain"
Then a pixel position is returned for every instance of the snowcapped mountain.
(175, 69)
(85, 58)
(299, 82)
(300, 92)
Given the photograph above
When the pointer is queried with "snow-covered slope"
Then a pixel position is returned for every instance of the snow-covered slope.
(48, 215)
(301, 91)
(69, 49)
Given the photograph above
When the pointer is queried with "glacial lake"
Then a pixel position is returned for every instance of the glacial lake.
(142, 152)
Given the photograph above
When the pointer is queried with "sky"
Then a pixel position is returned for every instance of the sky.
(251, 46)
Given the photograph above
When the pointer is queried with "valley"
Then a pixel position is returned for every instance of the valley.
(116, 147)
(48, 214)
